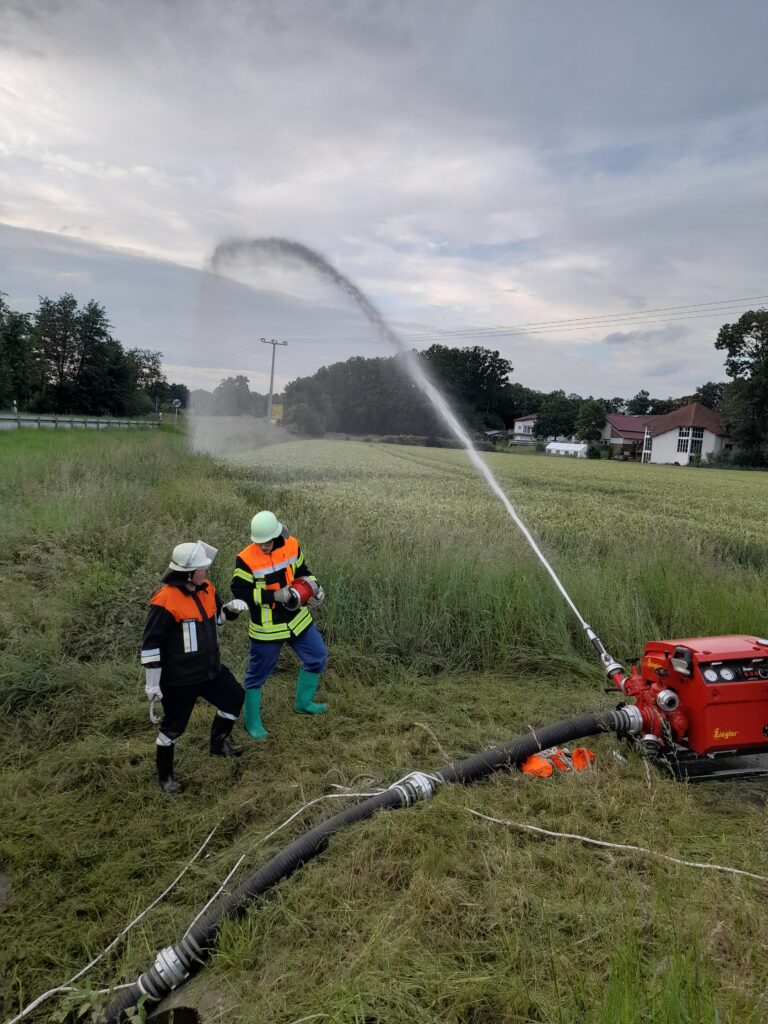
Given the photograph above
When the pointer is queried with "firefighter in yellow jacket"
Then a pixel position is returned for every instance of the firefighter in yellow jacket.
(180, 654)
(264, 572)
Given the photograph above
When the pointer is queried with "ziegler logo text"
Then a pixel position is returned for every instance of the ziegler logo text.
(724, 734)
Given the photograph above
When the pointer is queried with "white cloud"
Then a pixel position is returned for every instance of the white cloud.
(467, 164)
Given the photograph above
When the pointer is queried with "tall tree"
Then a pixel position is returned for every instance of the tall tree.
(475, 377)
(149, 376)
(590, 420)
(18, 358)
(710, 394)
(557, 415)
(232, 397)
(55, 329)
(746, 343)
(640, 405)
(516, 401)
(661, 406)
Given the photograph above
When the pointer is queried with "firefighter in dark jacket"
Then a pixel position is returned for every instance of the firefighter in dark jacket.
(180, 654)
(263, 575)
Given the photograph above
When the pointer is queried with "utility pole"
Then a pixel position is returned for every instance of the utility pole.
(274, 344)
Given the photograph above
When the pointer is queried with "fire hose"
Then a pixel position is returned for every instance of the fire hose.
(175, 964)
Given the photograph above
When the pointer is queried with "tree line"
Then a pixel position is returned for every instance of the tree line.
(376, 396)
(64, 359)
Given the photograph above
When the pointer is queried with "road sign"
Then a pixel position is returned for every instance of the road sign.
(177, 403)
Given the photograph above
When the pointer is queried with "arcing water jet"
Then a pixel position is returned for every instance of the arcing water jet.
(282, 249)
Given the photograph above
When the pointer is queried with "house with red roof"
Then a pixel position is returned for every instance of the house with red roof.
(625, 434)
(686, 435)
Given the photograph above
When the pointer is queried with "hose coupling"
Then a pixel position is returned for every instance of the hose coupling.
(650, 744)
(171, 968)
(414, 787)
(610, 665)
(629, 720)
(668, 700)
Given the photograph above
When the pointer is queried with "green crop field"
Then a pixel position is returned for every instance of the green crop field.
(446, 636)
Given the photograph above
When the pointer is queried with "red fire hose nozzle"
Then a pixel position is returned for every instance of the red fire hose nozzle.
(301, 590)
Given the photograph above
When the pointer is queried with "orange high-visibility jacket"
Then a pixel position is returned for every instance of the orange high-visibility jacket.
(180, 634)
(256, 577)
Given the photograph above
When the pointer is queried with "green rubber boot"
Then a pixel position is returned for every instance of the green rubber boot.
(252, 715)
(306, 686)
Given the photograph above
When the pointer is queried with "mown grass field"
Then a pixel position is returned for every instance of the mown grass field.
(446, 637)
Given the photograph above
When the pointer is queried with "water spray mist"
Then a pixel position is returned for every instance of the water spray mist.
(282, 250)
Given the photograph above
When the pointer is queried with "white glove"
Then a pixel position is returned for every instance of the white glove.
(284, 595)
(235, 605)
(315, 602)
(152, 684)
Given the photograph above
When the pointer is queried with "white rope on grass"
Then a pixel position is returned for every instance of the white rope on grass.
(618, 846)
(317, 800)
(68, 985)
(215, 895)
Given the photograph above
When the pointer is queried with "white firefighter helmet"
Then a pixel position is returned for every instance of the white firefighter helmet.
(192, 555)
(265, 527)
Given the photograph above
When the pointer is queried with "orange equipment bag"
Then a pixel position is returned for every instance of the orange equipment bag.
(543, 764)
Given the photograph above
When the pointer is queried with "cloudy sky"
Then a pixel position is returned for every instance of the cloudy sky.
(472, 165)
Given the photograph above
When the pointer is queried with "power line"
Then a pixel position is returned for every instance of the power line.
(509, 332)
(538, 327)
(603, 321)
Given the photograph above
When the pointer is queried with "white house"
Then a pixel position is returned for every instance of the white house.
(523, 430)
(686, 435)
(566, 448)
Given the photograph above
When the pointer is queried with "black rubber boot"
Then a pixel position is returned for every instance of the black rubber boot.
(221, 744)
(165, 777)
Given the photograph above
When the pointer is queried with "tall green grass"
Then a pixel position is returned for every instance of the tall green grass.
(443, 630)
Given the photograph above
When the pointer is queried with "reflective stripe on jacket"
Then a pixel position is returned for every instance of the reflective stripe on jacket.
(258, 575)
(180, 634)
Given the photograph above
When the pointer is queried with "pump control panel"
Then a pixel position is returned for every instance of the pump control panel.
(734, 671)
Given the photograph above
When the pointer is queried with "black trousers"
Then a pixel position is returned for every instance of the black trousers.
(224, 692)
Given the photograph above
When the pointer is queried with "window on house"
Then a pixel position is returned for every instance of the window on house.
(697, 439)
(647, 445)
(683, 437)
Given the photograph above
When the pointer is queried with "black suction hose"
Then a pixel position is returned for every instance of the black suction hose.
(173, 965)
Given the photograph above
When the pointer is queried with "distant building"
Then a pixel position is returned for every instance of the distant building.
(577, 450)
(523, 430)
(686, 435)
(625, 434)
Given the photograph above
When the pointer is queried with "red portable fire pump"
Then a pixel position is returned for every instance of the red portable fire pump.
(695, 700)
(701, 699)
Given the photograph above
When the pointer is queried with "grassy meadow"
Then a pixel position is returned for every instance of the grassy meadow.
(446, 636)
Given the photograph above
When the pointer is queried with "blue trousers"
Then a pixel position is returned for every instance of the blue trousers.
(308, 645)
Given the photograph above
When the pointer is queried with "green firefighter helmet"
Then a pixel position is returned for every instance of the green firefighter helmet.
(265, 527)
